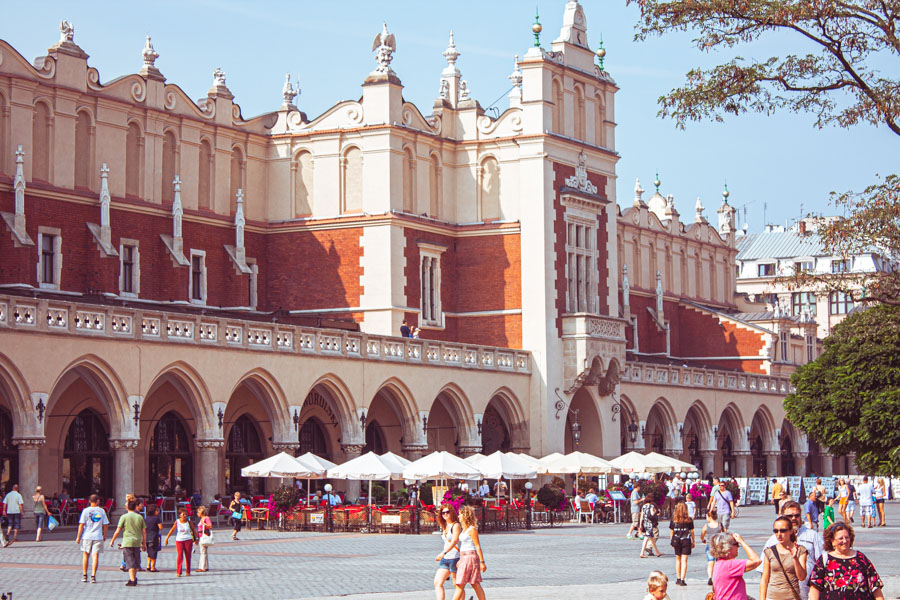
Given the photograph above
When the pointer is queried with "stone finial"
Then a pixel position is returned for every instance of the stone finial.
(659, 295)
(19, 181)
(104, 197)
(219, 78)
(239, 221)
(149, 54)
(66, 32)
(177, 209)
(288, 92)
(384, 47)
(698, 208)
(516, 76)
(638, 193)
(451, 53)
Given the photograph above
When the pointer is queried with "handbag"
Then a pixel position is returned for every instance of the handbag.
(207, 538)
(794, 590)
(52, 523)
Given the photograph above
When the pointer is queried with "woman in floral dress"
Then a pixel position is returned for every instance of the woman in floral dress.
(842, 573)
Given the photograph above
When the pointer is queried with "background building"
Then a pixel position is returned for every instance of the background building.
(184, 289)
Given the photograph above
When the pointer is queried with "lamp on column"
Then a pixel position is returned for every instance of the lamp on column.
(328, 524)
(632, 432)
(528, 486)
(40, 408)
(221, 416)
(362, 420)
(478, 424)
(425, 425)
(296, 419)
(576, 429)
(137, 412)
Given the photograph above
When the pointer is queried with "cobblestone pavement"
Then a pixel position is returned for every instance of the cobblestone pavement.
(580, 561)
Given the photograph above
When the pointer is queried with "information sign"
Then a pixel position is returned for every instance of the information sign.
(793, 484)
(742, 484)
(317, 518)
(756, 490)
(809, 484)
(829, 483)
(617, 496)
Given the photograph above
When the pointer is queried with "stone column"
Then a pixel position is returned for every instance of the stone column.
(123, 458)
(827, 465)
(29, 449)
(741, 458)
(772, 463)
(800, 463)
(210, 469)
(709, 461)
(414, 452)
(351, 451)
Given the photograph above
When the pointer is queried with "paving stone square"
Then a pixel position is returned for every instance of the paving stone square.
(577, 561)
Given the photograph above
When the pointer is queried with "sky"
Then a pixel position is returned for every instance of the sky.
(777, 168)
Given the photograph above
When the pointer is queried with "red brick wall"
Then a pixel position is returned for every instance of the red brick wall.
(478, 273)
(703, 334)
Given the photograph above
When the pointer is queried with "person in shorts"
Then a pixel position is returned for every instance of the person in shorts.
(636, 500)
(13, 505)
(134, 539)
(710, 529)
(93, 525)
(154, 526)
(681, 537)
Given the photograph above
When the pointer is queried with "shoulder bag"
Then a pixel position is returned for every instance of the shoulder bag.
(794, 590)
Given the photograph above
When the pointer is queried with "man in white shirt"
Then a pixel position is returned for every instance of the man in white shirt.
(806, 537)
(866, 494)
(484, 490)
(13, 507)
(92, 528)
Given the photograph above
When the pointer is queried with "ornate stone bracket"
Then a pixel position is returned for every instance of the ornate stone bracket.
(352, 448)
(469, 450)
(29, 443)
(421, 448)
(289, 447)
(124, 444)
(106, 248)
(210, 444)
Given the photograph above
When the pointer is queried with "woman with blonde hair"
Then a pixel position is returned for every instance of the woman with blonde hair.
(449, 557)
(681, 537)
(880, 493)
(204, 533)
(471, 559)
(40, 511)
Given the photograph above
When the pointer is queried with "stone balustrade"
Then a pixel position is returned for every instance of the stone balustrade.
(668, 375)
(116, 322)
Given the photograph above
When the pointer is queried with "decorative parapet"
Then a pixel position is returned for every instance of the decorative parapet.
(115, 322)
(652, 374)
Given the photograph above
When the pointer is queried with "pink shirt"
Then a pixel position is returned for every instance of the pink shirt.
(728, 579)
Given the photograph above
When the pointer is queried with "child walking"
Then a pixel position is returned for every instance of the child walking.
(657, 584)
(471, 559)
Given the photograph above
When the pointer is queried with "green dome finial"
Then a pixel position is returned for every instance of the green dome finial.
(726, 193)
(656, 182)
(537, 28)
(601, 53)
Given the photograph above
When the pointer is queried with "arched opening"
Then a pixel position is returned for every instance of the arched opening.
(375, 441)
(244, 447)
(133, 144)
(385, 421)
(83, 152)
(434, 188)
(696, 434)
(409, 182)
(729, 464)
(494, 431)
(628, 425)
(171, 457)
(787, 454)
(729, 433)
(579, 113)
(312, 438)
(87, 461)
(204, 177)
(303, 185)
(659, 432)
(556, 123)
(169, 151)
(320, 425)
(40, 139)
(759, 457)
(237, 178)
(761, 436)
(9, 454)
(444, 423)
(589, 426)
(599, 121)
(352, 184)
(490, 189)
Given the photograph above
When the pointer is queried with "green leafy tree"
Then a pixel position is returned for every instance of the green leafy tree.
(838, 81)
(848, 399)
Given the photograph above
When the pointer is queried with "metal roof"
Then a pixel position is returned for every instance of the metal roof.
(779, 244)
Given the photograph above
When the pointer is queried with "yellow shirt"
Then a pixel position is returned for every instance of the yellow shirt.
(776, 491)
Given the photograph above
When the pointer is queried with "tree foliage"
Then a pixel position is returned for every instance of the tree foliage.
(848, 399)
(838, 82)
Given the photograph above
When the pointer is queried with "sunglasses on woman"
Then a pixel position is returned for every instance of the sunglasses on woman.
(781, 530)
(445, 512)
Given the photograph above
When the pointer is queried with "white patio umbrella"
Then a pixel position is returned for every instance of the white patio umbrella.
(280, 465)
(580, 463)
(321, 465)
(505, 465)
(678, 466)
(441, 465)
(546, 460)
(634, 462)
(536, 462)
(367, 467)
(395, 462)
(474, 459)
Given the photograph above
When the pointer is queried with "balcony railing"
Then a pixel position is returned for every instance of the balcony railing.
(636, 372)
(127, 323)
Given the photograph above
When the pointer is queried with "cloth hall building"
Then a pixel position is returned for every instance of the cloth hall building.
(185, 289)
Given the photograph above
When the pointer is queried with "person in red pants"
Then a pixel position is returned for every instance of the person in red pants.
(185, 534)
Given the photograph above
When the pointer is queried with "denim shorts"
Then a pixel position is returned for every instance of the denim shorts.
(15, 520)
(709, 556)
(39, 520)
(449, 564)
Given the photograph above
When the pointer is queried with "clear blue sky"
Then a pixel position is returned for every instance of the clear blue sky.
(782, 161)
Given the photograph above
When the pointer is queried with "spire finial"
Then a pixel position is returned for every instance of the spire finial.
(516, 78)
(600, 52)
(19, 181)
(451, 53)
(656, 182)
(288, 92)
(638, 192)
(177, 210)
(239, 221)
(537, 28)
(149, 54)
(384, 46)
(725, 193)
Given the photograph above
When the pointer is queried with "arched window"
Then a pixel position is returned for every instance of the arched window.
(494, 432)
(375, 439)
(4, 141)
(171, 458)
(557, 123)
(204, 180)
(40, 139)
(490, 189)
(133, 146)
(313, 439)
(87, 460)
(9, 453)
(636, 263)
(599, 120)
(579, 113)
(303, 185)
(353, 180)
(83, 154)
(409, 182)
(170, 148)
(243, 448)
(237, 177)
(434, 188)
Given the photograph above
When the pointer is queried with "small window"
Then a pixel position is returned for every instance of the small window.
(803, 265)
(430, 285)
(783, 345)
(197, 287)
(840, 303)
(49, 258)
(581, 267)
(129, 268)
(801, 301)
(810, 348)
(840, 266)
(765, 270)
(254, 278)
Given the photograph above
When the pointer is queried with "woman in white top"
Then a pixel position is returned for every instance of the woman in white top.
(880, 493)
(184, 541)
(471, 558)
(449, 557)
